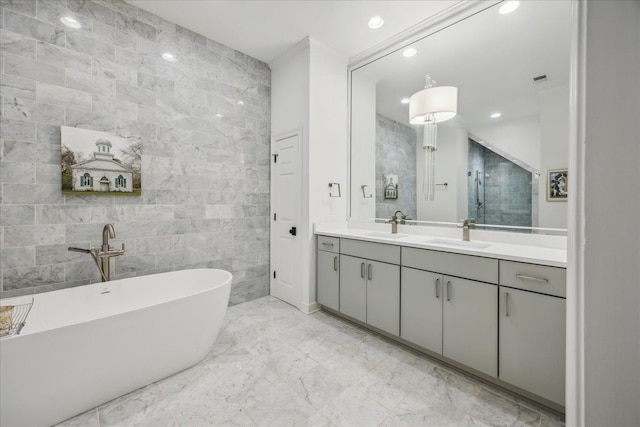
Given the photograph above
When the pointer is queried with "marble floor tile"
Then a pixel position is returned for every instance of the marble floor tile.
(389, 382)
(549, 420)
(316, 420)
(469, 421)
(87, 419)
(318, 386)
(240, 420)
(496, 410)
(273, 365)
(280, 406)
(144, 407)
(354, 408)
(442, 398)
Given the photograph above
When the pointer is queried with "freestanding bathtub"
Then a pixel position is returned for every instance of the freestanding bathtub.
(84, 346)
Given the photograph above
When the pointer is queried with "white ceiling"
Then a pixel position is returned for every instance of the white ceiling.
(491, 58)
(265, 29)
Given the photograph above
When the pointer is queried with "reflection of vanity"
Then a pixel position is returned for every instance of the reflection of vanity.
(494, 309)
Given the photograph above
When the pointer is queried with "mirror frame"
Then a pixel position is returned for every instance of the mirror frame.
(448, 17)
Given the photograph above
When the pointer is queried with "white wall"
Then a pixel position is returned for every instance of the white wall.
(309, 91)
(363, 146)
(290, 90)
(519, 137)
(611, 214)
(554, 152)
(328, 148)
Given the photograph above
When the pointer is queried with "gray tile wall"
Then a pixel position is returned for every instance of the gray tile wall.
(205, 195)
(505, 190)
(396, 155)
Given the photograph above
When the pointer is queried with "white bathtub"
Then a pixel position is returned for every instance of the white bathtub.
(84, 346)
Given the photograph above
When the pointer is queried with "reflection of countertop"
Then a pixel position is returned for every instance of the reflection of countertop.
(555, 257)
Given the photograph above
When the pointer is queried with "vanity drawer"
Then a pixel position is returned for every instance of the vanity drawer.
(465, 266)
(533, 277)
(329, 244)
(370, 250)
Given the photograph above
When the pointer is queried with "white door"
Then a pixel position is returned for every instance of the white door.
(286, 210)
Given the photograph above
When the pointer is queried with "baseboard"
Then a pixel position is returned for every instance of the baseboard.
(309, 308)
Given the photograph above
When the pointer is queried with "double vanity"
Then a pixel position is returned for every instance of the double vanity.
(496, 310)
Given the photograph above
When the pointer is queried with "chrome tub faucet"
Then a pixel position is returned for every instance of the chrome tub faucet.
(103, 254)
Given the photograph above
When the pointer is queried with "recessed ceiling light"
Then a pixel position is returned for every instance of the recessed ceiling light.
(405, 100)
(71, 22)
(376, 22)
(167, 56)
(496, 115)
(508, 7)
(409, 52)
(240, 102)
(219, 115)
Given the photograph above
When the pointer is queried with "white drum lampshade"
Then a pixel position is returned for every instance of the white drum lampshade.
(433, 105)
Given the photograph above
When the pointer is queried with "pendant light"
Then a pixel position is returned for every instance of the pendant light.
(433, 105)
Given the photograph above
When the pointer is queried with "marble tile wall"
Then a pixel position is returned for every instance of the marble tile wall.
(396, 155)
(506, 189)
(205, 125)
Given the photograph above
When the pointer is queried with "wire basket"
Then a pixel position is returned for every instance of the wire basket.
(13, 318)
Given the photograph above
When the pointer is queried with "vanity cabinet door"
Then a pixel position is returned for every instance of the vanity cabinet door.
(470, 324)
(329, 279)
(421, 308)
(532, 342)
(383, 296)
(353, 287)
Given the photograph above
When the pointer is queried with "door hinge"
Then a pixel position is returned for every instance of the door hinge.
(274, 217)
(274, 274)
(275, 158)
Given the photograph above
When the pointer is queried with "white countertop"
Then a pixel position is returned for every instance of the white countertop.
(555, 257)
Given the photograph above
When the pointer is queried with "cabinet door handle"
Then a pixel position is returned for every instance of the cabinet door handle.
(370, 272)
(335, 263)
(506, 304)
(327, 243)
(532, 278)
(448, 290)
(438, 287)
(362, 270)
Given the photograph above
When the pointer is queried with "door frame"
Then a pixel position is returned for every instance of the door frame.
(274, 261)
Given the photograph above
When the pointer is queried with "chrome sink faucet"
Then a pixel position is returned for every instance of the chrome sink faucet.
(394, 221)
(466, 225)
(102, 255)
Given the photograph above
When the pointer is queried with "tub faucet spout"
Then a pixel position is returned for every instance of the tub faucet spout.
(102, 255)
(107, 232)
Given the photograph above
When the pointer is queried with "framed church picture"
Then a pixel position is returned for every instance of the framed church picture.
(99, 163)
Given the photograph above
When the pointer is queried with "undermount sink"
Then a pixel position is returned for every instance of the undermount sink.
(387, 235)
(458, 243)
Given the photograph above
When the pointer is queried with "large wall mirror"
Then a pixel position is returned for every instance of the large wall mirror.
(503, 158)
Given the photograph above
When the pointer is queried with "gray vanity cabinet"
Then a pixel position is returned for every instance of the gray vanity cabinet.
(329, 279)
(448, 315)
(370, 292)
(353, 287)
(421, 314)
(383, 296)
(370, 283)
(470, 324)
(532, 329)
